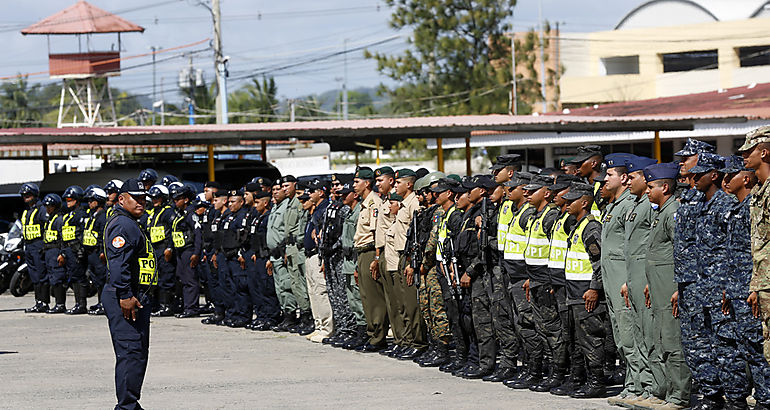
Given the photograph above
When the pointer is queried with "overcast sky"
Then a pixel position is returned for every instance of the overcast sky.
(261, 36)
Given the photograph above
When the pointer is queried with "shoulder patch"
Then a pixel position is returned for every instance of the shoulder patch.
(594, 249)
(376, 212)
(118, 242)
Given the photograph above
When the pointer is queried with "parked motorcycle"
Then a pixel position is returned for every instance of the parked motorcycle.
(11, 258)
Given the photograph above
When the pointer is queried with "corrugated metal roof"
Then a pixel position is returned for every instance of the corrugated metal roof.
(82, 18)
(752, 101)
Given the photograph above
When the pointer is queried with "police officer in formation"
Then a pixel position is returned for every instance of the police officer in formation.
(614, 273)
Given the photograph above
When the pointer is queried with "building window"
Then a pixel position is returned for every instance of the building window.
(754, 56)
(690, 60)
(620, 65)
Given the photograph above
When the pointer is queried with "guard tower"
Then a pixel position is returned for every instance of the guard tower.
(86, 100)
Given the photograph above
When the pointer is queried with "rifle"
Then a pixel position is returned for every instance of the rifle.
(415, 252)
(445, 271)
(483, 235)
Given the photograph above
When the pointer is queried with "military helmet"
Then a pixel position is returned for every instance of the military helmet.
(113, 187)
(96, 194)
(158, 191)
(52, 200)
(178, 190)
(148, 174)
(29, 188)
(427, 180)
(168, 179)
(73, 192)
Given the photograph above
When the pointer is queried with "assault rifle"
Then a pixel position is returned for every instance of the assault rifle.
(449, 272)
(415, 252)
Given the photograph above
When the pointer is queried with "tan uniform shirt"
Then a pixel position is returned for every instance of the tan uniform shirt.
(367, 220)
(384, 221)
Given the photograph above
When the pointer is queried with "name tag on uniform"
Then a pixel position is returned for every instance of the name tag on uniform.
(89, 238)
(214, 228)
(68, 233)
(178, 238)
(253, 229)
(157, 234)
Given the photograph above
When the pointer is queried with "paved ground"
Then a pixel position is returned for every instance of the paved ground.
(59, 361)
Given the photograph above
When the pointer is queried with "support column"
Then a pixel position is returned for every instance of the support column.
(548, 152)
(263, 150)
(211, 162)
(46, 162)
(439, 155)
(468, 167)
(656, 147)
(356, 159)
(377, 143)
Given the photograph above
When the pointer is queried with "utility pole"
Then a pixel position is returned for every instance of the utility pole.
(345, 82)
(219, 64)
(291, 106)
(557, 99)
(514, 94)
(542, 55)
(154, 95)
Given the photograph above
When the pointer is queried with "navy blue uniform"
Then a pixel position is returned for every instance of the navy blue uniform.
(206, 270)
(188, 241)
(130, 273)
(261, 286)
(159, 226)
(33, 223)
(72, 237)
(233, 239)
(93, 244)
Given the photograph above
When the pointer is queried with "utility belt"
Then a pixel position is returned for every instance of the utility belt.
(365, 248)
(50, 245)
(231, 253)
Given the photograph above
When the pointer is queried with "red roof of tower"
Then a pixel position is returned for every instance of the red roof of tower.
(82, 18)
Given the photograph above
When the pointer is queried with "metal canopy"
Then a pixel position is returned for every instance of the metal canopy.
(345, 135)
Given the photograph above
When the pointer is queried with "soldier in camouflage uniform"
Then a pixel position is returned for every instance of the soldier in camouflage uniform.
(756, 154)
(744, 330)
(430, 296)
(685, 301)
(333, 258)
(352, 292)
(712, 359)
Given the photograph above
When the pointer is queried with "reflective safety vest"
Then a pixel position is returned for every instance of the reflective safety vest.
(538, 245)
(594, 208)
(90, 236)
(148, 274)
(578, 265)
(504, 216)
(180, 238)
(157, 233)
(516, 239)
(559, 238)
(67, 230)
(51, 235)
(442, 233)
(31, 230)
(110, 211)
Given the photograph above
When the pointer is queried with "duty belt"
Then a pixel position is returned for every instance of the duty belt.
(366, 248)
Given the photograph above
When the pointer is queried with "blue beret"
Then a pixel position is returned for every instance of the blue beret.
(617, 159)
(667, 170)
(708, 162)
(639, 163)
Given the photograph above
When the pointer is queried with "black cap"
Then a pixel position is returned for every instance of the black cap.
(253, 187)
(262, 194)
(469, 183)
(288, 178)
(264, 181)
(221, 192)
(539, 181)
(346, 188)
(506, 160)
(578, 190)
(486, 181)
(519, 178)
(235, 192)
(421, 173)
(586, 152)
(133, 187)
(212, 184)
(447, 184)
(304, 197)
(564, 181)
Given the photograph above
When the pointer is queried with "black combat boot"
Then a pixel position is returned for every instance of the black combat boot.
(289, 320)
(534, 376)
(440, 356)
(80, 300)
(457, 363)
(556, 379)
(501, 374)
(595, 388)
(38, 308)
(60, 295)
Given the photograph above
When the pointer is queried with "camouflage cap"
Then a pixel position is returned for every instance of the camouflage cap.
(754, 137)
(708, 162)
(578, 190)
(734, 163)
(585, 152)
(693, 146)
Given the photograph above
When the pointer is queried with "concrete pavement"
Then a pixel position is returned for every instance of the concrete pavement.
(60, 361)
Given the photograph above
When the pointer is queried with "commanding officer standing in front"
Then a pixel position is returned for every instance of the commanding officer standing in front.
(130, 277)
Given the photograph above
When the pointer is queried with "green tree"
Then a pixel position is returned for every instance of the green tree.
(17, 101)
(448, 67)
(256, 97)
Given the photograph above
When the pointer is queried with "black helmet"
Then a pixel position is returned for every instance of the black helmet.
(113, 187)
(52, 200)
(178, 190)
(96, 194)
(74, 192)
(168, 179)
(158, 191)
(29, 188)
(148, 174)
